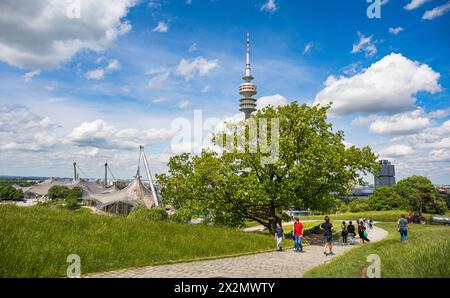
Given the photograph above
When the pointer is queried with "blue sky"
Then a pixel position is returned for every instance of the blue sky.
(91, 88)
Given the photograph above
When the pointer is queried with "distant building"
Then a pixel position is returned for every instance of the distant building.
(386, 175)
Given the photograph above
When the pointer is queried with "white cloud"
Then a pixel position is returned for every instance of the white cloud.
(273, 100)
(403, 123)
(199, 65)
(415, 4)
(29, 75)
(395, 30)
(99, 73)
(388, 85)
(192, 48)
(436, 12)
(183, 104)
(270, 6)
(22, 130)
(98, 134)
(159, 99)
(439, 114)
(48, 38)
(96, 74)
(162, 27)
(365, 44)
(125, 88)
(397, 150)
(308, 48)
(206, 89)
(158, 80)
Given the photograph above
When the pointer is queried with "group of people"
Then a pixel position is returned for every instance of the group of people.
(348, 231)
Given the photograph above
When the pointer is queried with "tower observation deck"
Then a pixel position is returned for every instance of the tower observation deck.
(247, 89)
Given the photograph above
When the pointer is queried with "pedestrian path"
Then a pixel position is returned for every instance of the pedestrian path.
(264, 265)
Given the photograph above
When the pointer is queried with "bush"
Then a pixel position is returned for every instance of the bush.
(155, 214)
(72, 203)
(181, 216)
(8, 192)
(58, 192)
(359, 205)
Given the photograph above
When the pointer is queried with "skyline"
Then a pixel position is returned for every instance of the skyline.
(92, 91)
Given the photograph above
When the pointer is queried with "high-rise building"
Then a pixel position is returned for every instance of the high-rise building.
(247, 89)
(386, 175)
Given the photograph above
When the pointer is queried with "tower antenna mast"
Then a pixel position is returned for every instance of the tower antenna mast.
(247, 89)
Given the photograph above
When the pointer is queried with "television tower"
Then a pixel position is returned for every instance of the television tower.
(247, 89)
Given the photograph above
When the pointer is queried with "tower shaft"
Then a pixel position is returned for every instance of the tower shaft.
(247, 89)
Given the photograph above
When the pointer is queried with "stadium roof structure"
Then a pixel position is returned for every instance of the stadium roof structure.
(134, 194)
(42, 189)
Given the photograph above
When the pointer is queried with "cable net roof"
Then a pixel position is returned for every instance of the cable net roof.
(135, 193)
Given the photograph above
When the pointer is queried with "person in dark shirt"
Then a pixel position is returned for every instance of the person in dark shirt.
(279, 237)
(327, 226)
(351, 230)
(344, 232)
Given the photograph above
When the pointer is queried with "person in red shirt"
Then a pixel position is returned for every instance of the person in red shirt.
(298, 235)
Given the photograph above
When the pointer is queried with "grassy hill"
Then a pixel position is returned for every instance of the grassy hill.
(36, 241)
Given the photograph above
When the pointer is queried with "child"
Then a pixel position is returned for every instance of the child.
(279, 237)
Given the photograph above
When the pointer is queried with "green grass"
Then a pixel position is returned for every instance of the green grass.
(35, 242)
(425, 254)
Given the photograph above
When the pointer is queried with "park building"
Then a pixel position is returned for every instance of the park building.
(386, 175)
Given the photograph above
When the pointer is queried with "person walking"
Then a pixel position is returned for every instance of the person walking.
(327, 226)
(351, 231)
(298, 235)
(402, 225)
(279, 237)
(362, 233)
(344, 232)
(371, 223)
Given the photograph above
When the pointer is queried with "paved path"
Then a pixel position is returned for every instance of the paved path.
(264, 265)
(262, 228)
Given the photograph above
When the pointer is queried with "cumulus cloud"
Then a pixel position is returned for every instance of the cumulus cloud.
(99, 73)
(395, 30)
(22, 130)
(397, 150)
(29, 75)
(99, 134)
(388, 85)
(436, 12)
(269, 6)
(49, 38)
(273, 100)
(162, 27)
(415, 4)
(402, 123)
(201, 66)
(365, 44)
(158, 80)
(439, 114)
(183, 104)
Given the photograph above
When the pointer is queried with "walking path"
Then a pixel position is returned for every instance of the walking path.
(264, 265)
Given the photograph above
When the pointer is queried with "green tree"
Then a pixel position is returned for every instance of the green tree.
(421, 195)
(58, 192)
(236, 186)
(386, 198)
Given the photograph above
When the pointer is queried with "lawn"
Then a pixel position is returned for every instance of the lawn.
(35, 242)
(425, 254)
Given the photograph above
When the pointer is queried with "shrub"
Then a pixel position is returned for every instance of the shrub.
(155, 214)
(359, 205)
(58, 192)
(72, 203)
(8, 192)
(181, 216)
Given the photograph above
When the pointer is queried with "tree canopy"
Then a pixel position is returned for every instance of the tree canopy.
(237, 185)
